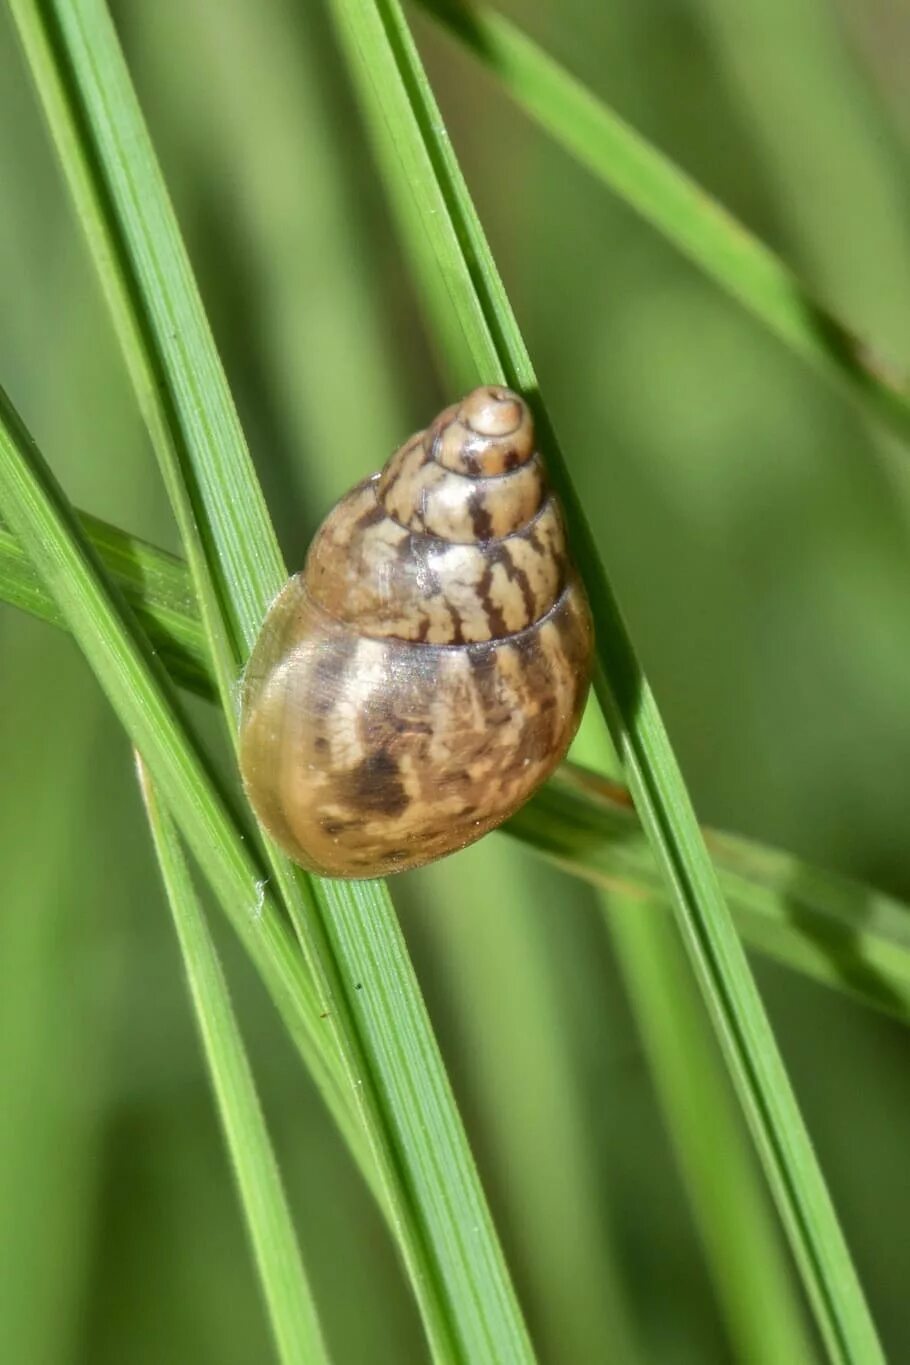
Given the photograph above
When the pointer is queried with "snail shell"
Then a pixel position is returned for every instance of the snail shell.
(428, 668)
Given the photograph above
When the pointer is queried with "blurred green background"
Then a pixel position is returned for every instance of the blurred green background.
(757, 532)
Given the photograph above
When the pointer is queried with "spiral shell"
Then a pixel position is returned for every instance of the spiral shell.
(427, 670)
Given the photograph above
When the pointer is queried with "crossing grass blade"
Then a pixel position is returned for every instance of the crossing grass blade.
(429, 1182)
(744, 1251)
(680, 210)
(836, 931)
(134, 681)
(292, 1311)
(156, 585)
(437, 218)
(846, 935)
(745, 1256)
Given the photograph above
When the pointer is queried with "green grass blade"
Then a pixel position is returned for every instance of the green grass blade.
(751, 1273)
(788, 134)
(531, 1096)
(33, 504)
(844, 934)
(124, 209)
(303, 238)
(292, 1311)
(402, 113)
(156, 585)
(745, 1253)
(56, 1026)
(728, 253)
(430, 1145)
(39, 27)
(836, 931)
(458, 1274)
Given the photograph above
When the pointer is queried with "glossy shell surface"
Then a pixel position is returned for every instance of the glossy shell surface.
(427, 669)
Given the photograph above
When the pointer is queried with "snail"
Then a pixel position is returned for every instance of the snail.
(427, 669)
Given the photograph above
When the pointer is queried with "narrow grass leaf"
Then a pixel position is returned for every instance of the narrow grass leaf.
(401, 112)
(746, 1255)
(823, 90)
(156, 585)
(61, 1009)
(680, 210)
(458, 1274)
(534, 1100)
(486, 1319)
(291, 1308)
(746, 1258)
(39, 26)
(32, 503)
(120, 197)
(844, 934)
(841, 933)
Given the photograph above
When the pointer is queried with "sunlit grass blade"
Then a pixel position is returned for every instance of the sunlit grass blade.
(842, 933)
(745, 1253)
(123, 206)
(427, 1173)
(292, 1311)
(747, 1261)
(302, 237)
(39, 30)
(486, 1322)
(134, 681)
(651, 184)
(427, 189)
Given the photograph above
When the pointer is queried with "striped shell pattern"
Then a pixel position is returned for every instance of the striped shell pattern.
(427, 669)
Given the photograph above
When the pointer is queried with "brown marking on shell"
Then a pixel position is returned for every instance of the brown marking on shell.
(368, 570)
(472, 475)
(425, 748)
(489, 432)
(428, 668)
(422, 495)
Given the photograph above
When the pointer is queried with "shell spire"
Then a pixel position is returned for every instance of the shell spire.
(455, 541)
(427, 669)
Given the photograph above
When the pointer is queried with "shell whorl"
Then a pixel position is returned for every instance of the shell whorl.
(427, 669)
(456, 541)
